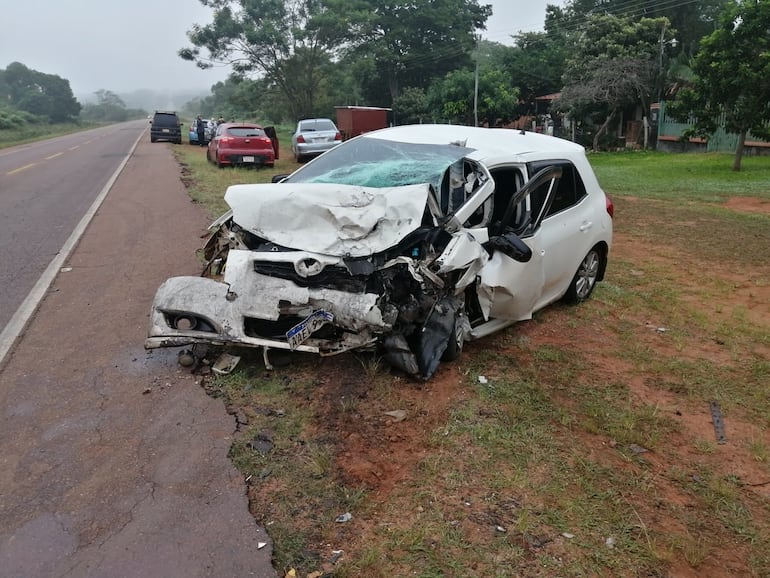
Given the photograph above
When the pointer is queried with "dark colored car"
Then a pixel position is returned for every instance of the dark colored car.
(241, 144)
(166, 126)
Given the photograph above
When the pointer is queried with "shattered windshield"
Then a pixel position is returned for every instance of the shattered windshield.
(374, 162)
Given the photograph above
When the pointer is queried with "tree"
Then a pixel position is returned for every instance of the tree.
(412, 42)
(732, 78)
(109, 107)
(290, 42)
(41, 94)
(615, 65)
(536, 62)
(453, 96)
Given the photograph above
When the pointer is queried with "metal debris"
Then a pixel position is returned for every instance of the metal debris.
(719, 424)
(225, 363)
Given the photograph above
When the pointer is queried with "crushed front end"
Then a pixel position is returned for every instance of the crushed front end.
(370, 276)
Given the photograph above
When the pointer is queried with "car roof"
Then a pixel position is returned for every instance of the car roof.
(240, 124)
(489, 144)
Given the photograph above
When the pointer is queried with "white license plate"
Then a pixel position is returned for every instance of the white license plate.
(305, 328)
(166, 130)
(248, 159)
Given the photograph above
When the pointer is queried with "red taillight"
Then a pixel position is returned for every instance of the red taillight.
(338, 136)
(300, 138)
(610, 206)
(225, 140)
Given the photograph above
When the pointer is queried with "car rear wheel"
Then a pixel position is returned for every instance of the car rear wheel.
(585, 278)
(219, 163)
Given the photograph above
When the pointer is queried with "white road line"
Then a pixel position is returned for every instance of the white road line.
(25, 311)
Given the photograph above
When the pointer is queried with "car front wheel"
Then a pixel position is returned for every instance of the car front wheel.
(585, 278)
(454, 346)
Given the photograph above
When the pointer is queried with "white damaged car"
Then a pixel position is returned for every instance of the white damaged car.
(410, 240)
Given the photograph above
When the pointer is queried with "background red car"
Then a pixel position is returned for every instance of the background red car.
(241, 143)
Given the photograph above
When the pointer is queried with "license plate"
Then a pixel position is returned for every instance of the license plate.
(166, 130)
(305, 328)
(248, 159)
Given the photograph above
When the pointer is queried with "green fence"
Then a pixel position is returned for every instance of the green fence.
(720, 141)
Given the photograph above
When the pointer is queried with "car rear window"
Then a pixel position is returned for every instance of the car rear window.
(320, 124)
(244, 131)
(165, 120)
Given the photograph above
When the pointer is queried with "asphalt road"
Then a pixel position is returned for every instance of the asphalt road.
(114, 460)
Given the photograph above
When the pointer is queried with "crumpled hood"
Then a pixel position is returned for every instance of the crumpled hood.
(331, 219)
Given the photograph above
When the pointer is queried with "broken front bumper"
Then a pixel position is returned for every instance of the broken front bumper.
(255, 310)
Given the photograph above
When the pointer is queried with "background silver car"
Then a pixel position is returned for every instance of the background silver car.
(314, 136)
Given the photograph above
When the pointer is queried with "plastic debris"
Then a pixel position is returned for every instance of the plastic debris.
(500, 529)
(292, 573)
(343, 518)
(483, 379)
(261, 545)
(610, 542)
(397, 415)
(225, 363)
(568, 535)
(336, 555)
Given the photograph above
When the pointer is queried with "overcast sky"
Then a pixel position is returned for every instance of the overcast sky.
(123, 45)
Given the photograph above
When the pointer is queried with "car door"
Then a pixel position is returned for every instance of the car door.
(511, 288)
(561, 237)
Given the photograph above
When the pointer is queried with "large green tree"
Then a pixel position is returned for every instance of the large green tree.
(290, 42)
(453, 98)
(732, 78)
(41, 94)
(614, 65)
(692, 19)
(411, 42)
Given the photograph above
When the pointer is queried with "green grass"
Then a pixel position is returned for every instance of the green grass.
(207, 184)
(549, 448)
(36, 132)
(681, 177)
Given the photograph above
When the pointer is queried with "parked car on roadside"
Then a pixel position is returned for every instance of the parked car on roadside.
(314, 136)
(241, 144)
(208, 126)
(409, 240)
(165, 126)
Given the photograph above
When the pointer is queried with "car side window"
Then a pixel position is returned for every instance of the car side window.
(570, 189)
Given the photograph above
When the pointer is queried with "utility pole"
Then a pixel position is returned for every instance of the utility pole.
(476, 87)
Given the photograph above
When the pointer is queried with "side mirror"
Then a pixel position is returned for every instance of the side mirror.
(278, 178)
(510, 244)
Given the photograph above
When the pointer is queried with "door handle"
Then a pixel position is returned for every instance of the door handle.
(586, 225)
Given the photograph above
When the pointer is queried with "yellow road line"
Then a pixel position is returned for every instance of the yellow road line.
(24, 168)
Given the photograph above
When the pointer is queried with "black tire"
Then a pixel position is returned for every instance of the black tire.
(584, 281)
(455, 345)
(152, 139)
(219, 163)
